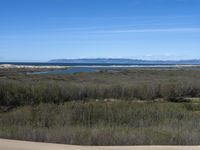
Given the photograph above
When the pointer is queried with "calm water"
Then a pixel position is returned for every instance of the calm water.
(71, 70)
(84, 67)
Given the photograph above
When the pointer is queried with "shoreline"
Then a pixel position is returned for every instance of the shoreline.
(10, 66)
(13, 66)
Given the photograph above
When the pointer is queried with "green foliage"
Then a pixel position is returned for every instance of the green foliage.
(104, 123)
(172, 85)
(104, 108)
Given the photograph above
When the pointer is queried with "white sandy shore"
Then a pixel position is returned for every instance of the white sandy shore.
(21, 145)
(9, 66)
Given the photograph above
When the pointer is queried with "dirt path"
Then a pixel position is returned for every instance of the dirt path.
(21, 145)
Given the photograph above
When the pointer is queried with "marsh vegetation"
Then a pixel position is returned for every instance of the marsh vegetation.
(131, 107)
(170, 85)
(105, 123)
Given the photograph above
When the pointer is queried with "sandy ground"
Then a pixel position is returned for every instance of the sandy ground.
(9, 66)
(21, 145)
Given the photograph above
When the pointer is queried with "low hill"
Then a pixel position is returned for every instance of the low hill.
(124, 61)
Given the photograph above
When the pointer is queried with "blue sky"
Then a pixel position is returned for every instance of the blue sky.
(40, 30)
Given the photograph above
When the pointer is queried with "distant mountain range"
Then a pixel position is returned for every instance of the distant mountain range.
(125, 61)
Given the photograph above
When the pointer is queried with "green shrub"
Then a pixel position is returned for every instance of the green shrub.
(104, 123)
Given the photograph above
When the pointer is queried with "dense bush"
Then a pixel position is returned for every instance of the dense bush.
(104, 123)
(148, 85)
(103, 108)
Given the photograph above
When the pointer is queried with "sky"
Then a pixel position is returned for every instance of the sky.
(41, 30)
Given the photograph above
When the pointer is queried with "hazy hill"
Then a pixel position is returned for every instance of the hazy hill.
(123, 61)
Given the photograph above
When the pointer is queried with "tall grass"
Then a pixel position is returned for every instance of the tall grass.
(172, 85)
(74, 109)
(104, 123)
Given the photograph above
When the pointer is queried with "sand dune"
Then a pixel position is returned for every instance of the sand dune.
(21, 145)
(9, 66)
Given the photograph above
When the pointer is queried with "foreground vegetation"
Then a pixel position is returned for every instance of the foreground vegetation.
(105, 123)
(130, 107)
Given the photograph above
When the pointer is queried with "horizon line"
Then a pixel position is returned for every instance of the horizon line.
(139, 59)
